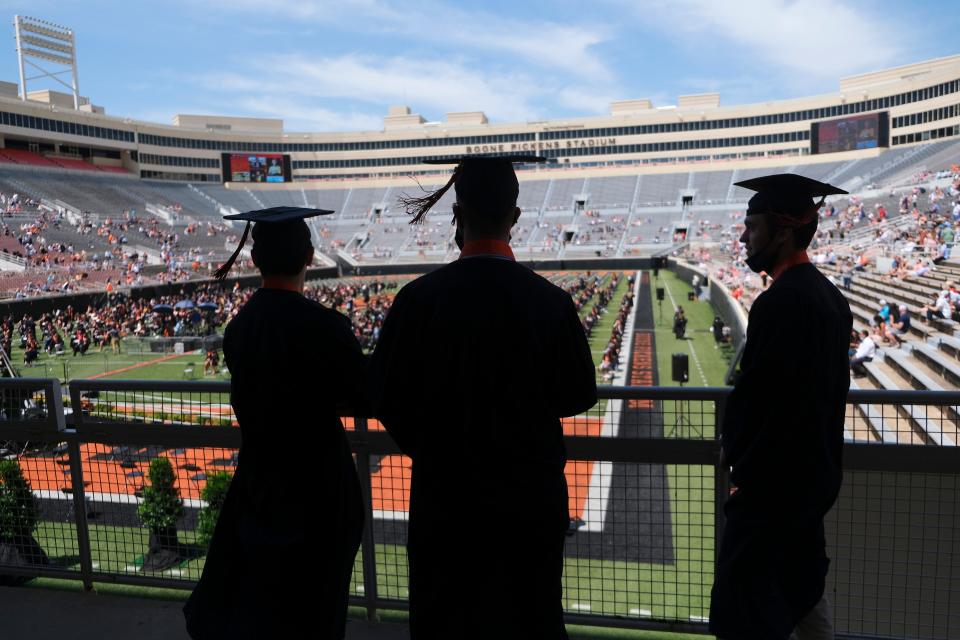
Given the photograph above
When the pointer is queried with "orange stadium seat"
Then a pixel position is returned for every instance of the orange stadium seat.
(26, 157)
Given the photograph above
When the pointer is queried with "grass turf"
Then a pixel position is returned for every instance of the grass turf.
(122, 366)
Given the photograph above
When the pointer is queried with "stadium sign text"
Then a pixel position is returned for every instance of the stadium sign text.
(542, 145)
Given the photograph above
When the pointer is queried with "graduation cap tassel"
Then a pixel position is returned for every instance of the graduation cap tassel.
(419, 207)
(224, 269)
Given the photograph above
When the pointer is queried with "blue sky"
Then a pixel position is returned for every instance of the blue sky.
(336, 65)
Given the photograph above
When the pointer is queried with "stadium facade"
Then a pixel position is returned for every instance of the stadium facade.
(905, 105)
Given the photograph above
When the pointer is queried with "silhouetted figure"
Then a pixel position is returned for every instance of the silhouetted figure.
(782, 432)
(476, 364)
(679, 323)
(282, 554)
(717, 329)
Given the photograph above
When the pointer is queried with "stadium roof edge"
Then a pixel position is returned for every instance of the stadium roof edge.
(900, 73)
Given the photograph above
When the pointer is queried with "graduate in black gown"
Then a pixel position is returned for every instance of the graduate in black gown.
(782, 432)
(282, 554)
(477, 363)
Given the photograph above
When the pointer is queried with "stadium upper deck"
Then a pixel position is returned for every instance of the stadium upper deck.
(909, 104)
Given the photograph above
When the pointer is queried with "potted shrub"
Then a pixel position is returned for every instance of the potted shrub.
(19, 513)
(159, 511)
(214, 494)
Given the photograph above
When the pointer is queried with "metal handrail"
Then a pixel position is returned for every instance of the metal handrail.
(83, 429)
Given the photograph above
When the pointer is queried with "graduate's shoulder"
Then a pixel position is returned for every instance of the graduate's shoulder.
(807, 284)
(291, 307)
(319, 311)
(802, 290)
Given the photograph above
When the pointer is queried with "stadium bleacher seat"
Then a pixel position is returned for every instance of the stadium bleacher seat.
(19, 156)
(72, 163)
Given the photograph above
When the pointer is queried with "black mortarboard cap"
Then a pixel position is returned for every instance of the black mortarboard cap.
(793, 199)
(473, 176)
(270, 217)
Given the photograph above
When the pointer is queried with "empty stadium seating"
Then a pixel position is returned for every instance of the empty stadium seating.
(645, 206)
(18, 156)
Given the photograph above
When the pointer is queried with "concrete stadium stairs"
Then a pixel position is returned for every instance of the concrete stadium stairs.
(928, 360)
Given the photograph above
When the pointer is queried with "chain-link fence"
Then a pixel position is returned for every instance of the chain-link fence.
(124, 484)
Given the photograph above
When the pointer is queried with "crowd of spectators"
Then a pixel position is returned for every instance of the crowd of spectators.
(604, 296)
(366, 303)
(209, 307)
(85, 245)
(610, 360)
(582, 288)
(908, 245)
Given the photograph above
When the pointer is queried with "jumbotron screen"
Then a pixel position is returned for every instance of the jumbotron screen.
(256, 167)
(850, 134)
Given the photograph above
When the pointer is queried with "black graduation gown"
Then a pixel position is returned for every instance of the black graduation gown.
(283, 550)
(476, 364)
(783, 436)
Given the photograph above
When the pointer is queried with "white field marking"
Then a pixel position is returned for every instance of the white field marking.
(384, 514)
(132, 567)
(576, 606)
(643, 613)
(699, 619)
(111, 498)
(598, 492)
(693, 352)
(94, 565)
(176, 573)
(360, 588)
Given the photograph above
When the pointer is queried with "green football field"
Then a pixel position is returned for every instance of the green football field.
(673, 591)
(134, 362)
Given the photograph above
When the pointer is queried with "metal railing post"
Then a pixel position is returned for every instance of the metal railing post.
(80, 512)
(367, 548)
(79, 495)
(721, 482)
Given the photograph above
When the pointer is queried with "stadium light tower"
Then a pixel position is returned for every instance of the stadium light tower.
(42, 40)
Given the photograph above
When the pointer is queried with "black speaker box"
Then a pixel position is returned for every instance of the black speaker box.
(660, 294)
(679, 371)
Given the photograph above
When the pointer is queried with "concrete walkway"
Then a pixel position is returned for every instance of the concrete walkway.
(41, 613)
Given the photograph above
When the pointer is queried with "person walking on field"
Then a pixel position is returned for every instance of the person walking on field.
(481, 420)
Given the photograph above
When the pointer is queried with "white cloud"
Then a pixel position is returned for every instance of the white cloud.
(543, 43)
(813, 38)
(434, 86)
(298, 116)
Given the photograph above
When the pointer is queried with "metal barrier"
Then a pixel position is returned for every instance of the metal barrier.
(646, 496)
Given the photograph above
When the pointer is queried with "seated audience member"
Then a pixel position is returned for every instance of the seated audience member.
(941, 307)
(886, 309)
(901, 326)
(921, 268)
(894, 267)
(885, 335)
(952, 294)
(80, 342)
(846, 277)
(864, 353)
(31, 351)
(211, 362)
(854, 342)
